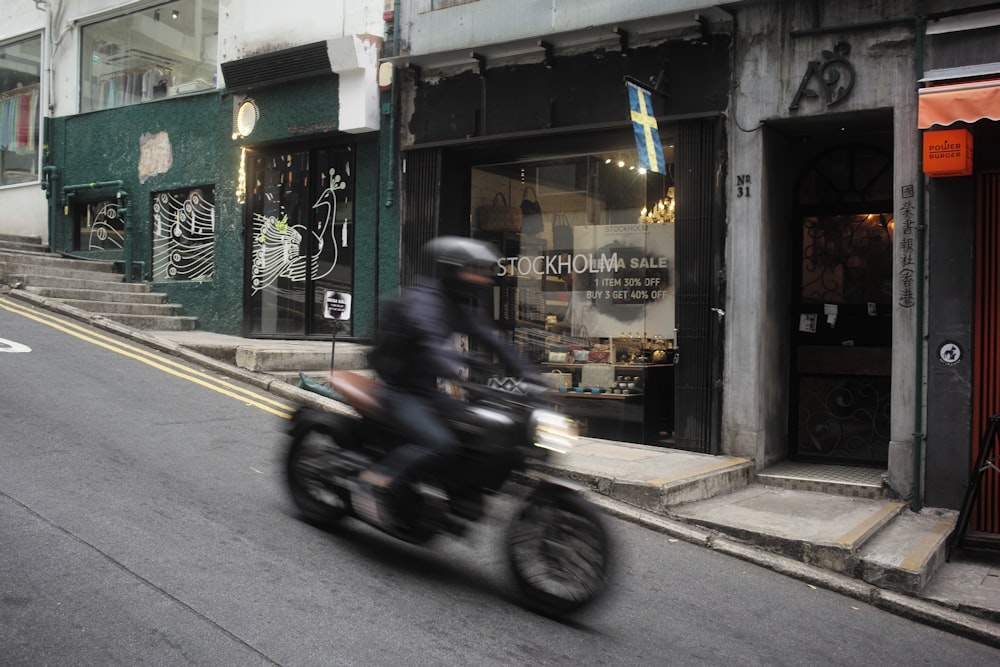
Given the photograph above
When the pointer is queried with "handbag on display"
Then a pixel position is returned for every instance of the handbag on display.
(531, 213)
(597, 375)
(559, 354)
(558, 380)
(498, 216)
(508, 384)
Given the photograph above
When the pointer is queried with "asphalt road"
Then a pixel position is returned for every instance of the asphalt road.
(143, 522)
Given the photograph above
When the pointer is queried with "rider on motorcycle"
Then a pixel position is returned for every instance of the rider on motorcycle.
(415, 348)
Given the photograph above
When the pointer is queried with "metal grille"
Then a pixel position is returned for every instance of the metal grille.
(986, 372)
(421, 184)
(698, 326)
(268, 69)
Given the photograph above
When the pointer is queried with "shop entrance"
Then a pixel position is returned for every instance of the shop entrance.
(300, 207)
(841, 307)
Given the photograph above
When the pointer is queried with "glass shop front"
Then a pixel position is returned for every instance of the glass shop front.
(587, 281)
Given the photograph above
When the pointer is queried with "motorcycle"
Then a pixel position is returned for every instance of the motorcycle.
(557, 545)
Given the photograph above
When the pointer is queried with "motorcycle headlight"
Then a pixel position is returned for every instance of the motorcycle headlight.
(553, 431)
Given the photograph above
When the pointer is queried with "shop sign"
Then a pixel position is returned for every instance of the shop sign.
(833, 76)
(948, 153)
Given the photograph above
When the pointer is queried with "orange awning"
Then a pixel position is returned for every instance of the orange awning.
(968, 102)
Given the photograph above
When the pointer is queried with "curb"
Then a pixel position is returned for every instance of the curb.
(915, 609)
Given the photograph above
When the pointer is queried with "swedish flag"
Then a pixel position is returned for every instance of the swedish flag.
(647, 136)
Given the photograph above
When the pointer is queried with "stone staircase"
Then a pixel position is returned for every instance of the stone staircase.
(28, 267)
(817, 515)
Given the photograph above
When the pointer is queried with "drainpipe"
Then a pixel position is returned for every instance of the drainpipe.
(388, 109)
(49, 183)
(916, 503)
(123, 208)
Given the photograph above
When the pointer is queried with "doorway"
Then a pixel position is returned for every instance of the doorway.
(841, 307)
(300, 207)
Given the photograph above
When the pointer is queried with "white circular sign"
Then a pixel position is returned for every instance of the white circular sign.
(949, 353)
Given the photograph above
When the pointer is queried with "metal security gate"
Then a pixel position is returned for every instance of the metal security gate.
(985, 516)
(699, 239)
(422, 182)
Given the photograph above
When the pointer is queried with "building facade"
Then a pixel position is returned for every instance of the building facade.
(805, 255)
(777, 268)
(229, 155)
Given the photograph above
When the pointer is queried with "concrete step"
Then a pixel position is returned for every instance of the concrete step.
(103, 285)
(156, 322)
(125, 307)
(17, 238)
(26, 246)
(815, 528)
(852, 481)
(304, 356)
(633, 480)
(101, 295)
(907, 553)
(53, 261)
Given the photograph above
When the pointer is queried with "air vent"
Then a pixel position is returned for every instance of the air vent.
(268, 69)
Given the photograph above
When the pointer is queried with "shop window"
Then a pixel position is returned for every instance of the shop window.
(184, 234)
(587, 282)
(20, 76)
(159, 51)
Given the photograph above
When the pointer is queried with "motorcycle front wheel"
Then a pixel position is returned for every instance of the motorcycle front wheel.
(310, 465)
(559, 552)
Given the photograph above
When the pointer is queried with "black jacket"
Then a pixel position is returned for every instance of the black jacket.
(414, 345)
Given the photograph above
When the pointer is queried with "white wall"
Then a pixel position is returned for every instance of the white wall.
(462, 26)
(251, 27)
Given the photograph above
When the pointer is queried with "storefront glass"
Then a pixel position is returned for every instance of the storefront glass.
(587, 282)
(159, 51)
(302, 237)
(20, 74)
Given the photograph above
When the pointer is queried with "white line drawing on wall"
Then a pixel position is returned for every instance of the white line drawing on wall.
(184, 234)
(279, 251)
(107, 230)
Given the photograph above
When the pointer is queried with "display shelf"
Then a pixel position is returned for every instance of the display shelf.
(646, 416)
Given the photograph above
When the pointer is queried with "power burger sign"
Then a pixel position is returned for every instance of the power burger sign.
(947, 153)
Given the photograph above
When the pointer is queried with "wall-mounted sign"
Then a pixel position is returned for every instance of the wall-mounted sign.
(833, 76)
(947, 152)
(949, 353)
(337, 305)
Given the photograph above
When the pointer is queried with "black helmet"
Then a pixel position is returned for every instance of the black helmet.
(453, 256)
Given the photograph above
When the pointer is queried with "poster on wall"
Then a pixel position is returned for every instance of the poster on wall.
(623, 281)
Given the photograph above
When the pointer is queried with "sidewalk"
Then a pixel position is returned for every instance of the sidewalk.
(873, 549)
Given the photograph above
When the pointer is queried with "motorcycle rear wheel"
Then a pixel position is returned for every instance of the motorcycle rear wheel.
(312, 457)
(559, 552)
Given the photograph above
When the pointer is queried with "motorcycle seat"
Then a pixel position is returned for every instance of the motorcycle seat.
(360, 392)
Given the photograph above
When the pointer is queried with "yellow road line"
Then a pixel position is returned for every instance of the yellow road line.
(152, 359)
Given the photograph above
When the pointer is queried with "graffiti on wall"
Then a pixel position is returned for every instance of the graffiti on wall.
(184, 234)
(280, 248)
